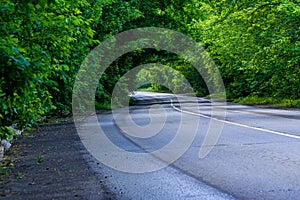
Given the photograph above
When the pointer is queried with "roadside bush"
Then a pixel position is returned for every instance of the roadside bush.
(41, 46)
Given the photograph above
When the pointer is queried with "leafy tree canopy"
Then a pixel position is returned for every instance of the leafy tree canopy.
(255, 45)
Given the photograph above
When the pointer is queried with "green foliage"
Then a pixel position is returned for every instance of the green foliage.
(39, 159)
(42, 44)
(7, 133)
(23, 73)
(255, 45)
(172, 78)
(255, 100)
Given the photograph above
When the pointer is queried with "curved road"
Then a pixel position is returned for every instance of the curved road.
(257, 155)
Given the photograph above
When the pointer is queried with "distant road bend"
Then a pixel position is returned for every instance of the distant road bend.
(256, 157)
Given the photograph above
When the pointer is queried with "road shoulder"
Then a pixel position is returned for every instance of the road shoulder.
(49, 163)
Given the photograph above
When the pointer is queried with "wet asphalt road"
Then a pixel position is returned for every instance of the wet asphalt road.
(256, 156)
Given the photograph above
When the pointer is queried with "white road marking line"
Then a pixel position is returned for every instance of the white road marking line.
(237, 124)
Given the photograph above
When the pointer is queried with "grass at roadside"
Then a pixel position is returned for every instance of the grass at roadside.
(217, 96)
(4, 172)
(6, 165)
(102, 106)
(270, 101)
(150, 89)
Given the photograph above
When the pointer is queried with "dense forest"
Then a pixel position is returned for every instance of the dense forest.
(255, 45)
